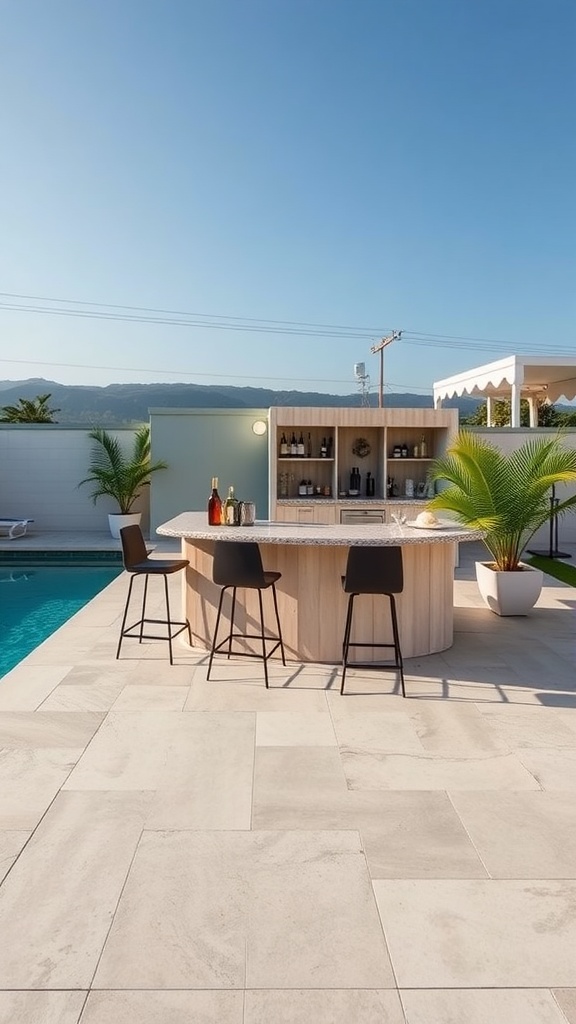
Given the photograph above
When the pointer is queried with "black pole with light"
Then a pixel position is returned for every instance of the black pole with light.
(553, 551)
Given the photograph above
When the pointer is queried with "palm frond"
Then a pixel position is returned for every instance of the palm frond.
(116, 475)
(507, 495)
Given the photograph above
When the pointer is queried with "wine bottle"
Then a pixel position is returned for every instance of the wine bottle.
(423, 448)
(309, 451)
(283, 446)
(214, 505)
(301, 449)
(230, 509)
(323, 449)
(293, 444)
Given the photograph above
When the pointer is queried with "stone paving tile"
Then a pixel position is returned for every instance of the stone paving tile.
(58, 901)
(367, 770)
(231, 895)
(19, 730)
(30, 781)
(478, 1006)
(158, 1007)
(11, 843)
(521, 835)
(566, 998)
(480, 933)
(41, 1007)
(324, 1006)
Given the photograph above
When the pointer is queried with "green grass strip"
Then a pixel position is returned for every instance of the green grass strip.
(554, 567)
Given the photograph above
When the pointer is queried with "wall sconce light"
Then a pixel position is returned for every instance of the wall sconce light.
(259, 427)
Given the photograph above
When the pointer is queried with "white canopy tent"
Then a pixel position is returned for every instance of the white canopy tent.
(513, 378)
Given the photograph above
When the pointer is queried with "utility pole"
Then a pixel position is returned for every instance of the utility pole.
(380, 348)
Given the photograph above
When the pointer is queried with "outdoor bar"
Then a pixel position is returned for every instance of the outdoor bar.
(312, 605)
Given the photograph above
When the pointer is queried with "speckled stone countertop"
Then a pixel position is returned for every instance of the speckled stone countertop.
(194, 526)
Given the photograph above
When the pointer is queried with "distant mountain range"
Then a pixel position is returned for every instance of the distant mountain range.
(120, 405)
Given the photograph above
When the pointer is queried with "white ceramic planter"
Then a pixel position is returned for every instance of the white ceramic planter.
(509, 593)
(118, 520)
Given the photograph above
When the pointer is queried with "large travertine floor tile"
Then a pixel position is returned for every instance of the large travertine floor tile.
(11, 842)
(223, 695)
(553, 769)
(41, 1007)
(521, 835)
(293, 774)
(25, 730)
(172, 751)
(480, 934)
(294, 729)
(237, 900)
(434, 771)
(57, 903)
(478, 1006)
(350, 704)
(378, 731)
(453, 728)
(324, 1006)
(88, 697)
(531, 726)
(88, 673)
(29, 781)
(566, 998)
(154, 1007)
(27, 686)
(151, 698)
(404, 834)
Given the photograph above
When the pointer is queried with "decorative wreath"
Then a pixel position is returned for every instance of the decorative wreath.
(361, 447)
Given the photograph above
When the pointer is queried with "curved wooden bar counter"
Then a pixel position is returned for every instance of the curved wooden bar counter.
(311, 601)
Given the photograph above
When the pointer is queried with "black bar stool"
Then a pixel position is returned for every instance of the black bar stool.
(373, 570)
(240, 565)
(136, 562)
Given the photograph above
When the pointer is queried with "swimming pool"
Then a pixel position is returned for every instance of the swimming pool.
(35, 600)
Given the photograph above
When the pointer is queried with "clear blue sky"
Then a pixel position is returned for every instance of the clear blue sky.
(374, 164)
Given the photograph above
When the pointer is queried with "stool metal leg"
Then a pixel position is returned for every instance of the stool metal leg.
(232, 616)
(397, 651)
(168, 618)
(278, 623)
(346, 641)
(143, 615)
(125, 616)
(215, 637)
(264, 655)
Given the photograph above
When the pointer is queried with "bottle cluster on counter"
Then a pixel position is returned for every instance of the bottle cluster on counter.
(229, 512)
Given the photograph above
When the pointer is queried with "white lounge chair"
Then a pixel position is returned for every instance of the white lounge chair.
(13, 528)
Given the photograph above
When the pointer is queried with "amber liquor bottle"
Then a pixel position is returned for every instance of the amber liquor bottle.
(214, 505)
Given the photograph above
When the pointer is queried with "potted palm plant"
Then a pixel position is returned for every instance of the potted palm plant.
(506, 495)
(120, 476)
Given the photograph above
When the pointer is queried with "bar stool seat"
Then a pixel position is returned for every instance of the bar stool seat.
(137, 563)
(240, 565)
(373, 570)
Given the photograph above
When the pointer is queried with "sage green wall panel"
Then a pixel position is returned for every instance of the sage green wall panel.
(198, 444)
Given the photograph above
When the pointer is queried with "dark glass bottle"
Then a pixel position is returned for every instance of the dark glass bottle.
(214, 505)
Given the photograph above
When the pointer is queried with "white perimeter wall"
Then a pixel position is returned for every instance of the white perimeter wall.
(40, 469)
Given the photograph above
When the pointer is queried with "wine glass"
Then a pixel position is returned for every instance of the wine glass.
(399, 518)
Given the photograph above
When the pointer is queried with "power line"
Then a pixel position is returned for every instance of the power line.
(166, 317)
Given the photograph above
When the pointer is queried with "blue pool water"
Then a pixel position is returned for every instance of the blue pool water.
(36, 600)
